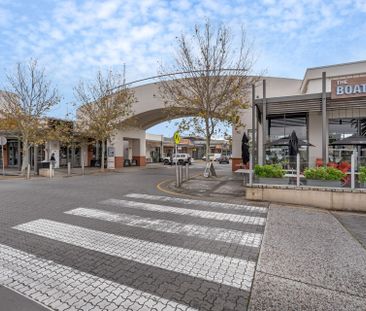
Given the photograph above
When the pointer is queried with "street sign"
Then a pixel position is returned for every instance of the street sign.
(3, 141)
(176, 137)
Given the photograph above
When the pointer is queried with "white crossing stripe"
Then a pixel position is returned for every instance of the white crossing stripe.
(244, 219)
(61, 287)
(205, 232)
(211, 267)
(161, 198)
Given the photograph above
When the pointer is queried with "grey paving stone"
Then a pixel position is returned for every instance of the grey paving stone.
(310, 246)
(273, 293)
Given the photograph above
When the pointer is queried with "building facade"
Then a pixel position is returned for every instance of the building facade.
(328, 104)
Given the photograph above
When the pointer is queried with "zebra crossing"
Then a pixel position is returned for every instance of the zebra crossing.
(200, 279)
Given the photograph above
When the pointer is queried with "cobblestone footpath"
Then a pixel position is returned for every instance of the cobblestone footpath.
(112, 243)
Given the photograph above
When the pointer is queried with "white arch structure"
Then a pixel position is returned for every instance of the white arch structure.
(150, 110)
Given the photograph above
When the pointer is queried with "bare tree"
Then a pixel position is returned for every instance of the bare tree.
(28, 97)
(103, 107)
(211, 81)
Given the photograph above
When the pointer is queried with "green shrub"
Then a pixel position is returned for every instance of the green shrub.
(363, 174)
(269, 171)
(324, 173)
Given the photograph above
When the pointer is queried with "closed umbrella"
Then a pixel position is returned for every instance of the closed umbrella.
(293, 149)
(293, 144)
(245, 149)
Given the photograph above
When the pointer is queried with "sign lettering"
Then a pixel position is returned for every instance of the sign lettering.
(351, 87)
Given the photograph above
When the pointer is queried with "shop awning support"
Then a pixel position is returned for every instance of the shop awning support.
(324, 120)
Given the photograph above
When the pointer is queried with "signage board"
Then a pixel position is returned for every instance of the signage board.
(3, 140)
(177, 137)
(348, 87)
(110, 157)
(209, 170)
(110, 152)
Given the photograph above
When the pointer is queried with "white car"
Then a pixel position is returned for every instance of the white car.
(181, 158)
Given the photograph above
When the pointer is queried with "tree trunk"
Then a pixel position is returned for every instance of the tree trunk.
(25, 158)
(102, 156)
(208, 142)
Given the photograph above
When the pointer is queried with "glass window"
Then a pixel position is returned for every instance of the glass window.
(282, 126)
(342, 128)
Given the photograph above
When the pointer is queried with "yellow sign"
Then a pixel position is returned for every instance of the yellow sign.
(176, 137)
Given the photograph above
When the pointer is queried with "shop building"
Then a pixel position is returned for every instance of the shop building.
(328, 104)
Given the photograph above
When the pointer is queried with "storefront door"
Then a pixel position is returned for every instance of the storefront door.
(13, 153)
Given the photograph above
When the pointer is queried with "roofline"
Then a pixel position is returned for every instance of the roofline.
(329, 66)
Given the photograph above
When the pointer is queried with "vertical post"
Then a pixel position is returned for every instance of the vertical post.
(298, 170)
(68, 169)
(28, 171)
(51, 167)
(353, 164)
(253, 126)
(324, 120)
(187, 171)
(251, 169)
(2, 158)
(264, 123)
(82, 160)
(176, 165)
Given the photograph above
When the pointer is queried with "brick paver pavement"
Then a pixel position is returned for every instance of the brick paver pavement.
(127, 251)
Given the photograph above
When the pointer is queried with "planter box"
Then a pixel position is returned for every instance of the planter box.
(323, 183)
(272, 181)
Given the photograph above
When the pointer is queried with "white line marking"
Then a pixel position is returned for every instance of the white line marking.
(161, 198)
(211, 267)
(205, 232)
(60, 287)
(244, 219)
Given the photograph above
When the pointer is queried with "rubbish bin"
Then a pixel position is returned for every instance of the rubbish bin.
(43, 164)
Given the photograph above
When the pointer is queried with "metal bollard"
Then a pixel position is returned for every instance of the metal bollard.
(68, 169)
(181, 174)
(28, 171)
(177, 176)
(51, 168)
(187, 171)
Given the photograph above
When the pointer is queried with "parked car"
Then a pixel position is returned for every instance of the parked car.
(210, 157)
(224, 159)
(181, 158)
(216, 156)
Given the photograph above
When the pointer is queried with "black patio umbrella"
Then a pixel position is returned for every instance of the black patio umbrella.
(286, 140)
(245, 149)
(355, 140)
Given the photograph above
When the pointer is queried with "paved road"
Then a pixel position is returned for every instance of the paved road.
(113, 242)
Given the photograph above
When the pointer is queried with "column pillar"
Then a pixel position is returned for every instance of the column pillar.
(254, 142)
(19, 155)
(35, 158)
(324, 120)
(264, 123)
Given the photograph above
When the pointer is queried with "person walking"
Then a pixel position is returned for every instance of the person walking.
(53, 160)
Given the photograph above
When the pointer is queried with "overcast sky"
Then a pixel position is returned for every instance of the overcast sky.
(72, 39)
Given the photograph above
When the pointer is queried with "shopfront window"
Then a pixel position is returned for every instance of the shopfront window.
(282, 126)
(342, 128)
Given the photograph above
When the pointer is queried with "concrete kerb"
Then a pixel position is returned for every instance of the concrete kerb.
(325, 198)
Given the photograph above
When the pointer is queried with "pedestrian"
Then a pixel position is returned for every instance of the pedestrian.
(53, 160)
